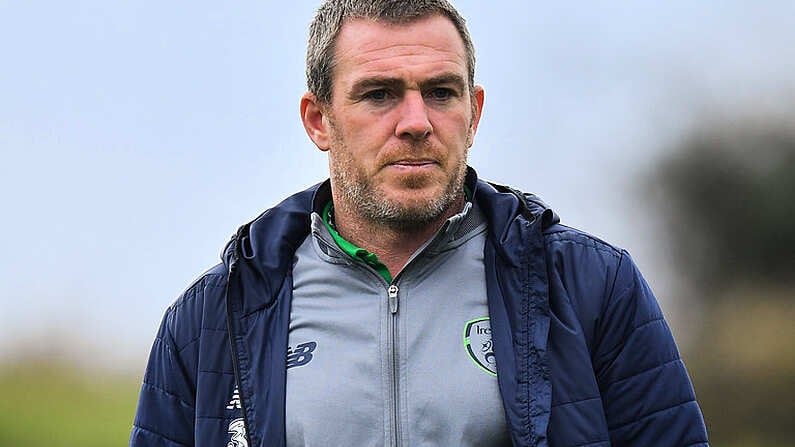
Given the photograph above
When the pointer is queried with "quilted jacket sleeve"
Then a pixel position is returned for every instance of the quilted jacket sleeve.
(646, 392)
(165, 415)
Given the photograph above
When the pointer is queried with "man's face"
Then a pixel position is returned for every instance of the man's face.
(400, 120)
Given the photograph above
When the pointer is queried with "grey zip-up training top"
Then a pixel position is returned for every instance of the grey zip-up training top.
(407, 363)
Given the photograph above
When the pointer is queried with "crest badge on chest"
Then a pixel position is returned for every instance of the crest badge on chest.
(479, 346)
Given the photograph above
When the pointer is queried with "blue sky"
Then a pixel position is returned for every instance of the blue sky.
(137, 136)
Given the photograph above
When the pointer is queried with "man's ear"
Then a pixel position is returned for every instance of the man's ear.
(477, 110)
(315, 121)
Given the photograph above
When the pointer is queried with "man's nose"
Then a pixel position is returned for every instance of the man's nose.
(413, 121)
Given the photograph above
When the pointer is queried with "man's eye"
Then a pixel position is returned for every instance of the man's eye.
(377, 95)
(441, 94)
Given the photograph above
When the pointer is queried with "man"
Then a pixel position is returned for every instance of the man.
(404, 301)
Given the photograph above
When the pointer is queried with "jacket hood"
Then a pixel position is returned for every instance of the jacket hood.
(504, 206)
(262, 250)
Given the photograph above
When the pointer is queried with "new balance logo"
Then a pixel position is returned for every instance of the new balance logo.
(301, 355)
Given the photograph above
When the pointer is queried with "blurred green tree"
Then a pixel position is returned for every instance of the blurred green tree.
(728, 194)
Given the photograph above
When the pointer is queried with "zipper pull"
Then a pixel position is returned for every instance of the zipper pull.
(393, 298)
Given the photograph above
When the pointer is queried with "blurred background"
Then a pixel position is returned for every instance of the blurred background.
(136, 137)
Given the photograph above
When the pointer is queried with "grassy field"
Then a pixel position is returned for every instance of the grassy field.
(46, 405)
(42, 404)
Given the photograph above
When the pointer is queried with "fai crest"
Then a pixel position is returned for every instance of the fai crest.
(477, 341)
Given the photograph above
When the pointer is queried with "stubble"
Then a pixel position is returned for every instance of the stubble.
(370, 202)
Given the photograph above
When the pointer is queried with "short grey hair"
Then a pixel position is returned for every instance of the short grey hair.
(333, 14)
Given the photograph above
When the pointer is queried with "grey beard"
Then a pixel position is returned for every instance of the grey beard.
(377, 210)
(372, 206)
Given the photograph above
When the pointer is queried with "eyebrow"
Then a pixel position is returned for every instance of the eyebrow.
(397, 83)
(449, 78)
(378, 81)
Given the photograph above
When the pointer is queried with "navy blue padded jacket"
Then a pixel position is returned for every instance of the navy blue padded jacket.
(584, 355)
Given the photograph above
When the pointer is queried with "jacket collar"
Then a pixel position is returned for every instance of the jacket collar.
(279, 231)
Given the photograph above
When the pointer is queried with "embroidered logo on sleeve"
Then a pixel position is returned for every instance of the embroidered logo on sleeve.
(478, 344)
(234, 403)
(237, 430)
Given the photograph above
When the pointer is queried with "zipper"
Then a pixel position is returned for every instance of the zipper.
(393, 355)
(233, 345)
(393, 298)
(394, 373)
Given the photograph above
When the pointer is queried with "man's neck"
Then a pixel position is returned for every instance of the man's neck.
(393, 246)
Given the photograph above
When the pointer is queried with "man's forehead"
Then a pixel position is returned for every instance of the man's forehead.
(367, 42)
(367, 30)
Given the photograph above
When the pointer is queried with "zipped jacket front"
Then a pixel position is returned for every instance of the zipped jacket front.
(584, 355)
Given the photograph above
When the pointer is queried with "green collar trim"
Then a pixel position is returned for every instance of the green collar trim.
(359, 253)
(353, 251)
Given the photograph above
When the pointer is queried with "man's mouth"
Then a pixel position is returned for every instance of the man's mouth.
(419, 163)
